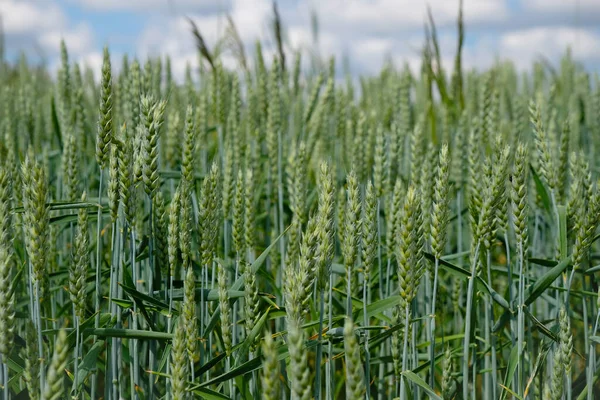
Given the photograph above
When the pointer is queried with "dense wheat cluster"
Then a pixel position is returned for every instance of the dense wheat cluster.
(276, 231)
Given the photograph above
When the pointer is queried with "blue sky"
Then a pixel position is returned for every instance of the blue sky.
(366, 31)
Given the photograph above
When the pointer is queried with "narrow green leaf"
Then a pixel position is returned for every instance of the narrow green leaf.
(166, 353)
(237, 285)
(416, 379)
(88, 364)
(16, 279)
(583, 394)
(562, 228)
(452, 268)
(542, 262)
(513, 361)
(211, 363)
(208, 394)
(209, 294)
(441, 340)
(536, 290)
(55, 124)
(541, 327)
(65, 205)
(67, 218)
(123, 303)
(507, 390)
(592, 270)
(542, 191)
(135, 294)
(426, 365)
(461, 272)
(502, 321)
(541, 358)
(501, 301)
(595, 339)
(129, 333)
(257, 329)
(378, 307)
(243, 369)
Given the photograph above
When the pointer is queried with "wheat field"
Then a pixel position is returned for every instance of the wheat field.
(274, 231)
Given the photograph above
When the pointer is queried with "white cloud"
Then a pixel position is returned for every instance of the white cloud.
(79, 39)
(25, 17)
(367, 17)
(495, 29)
(94, 60)
(370, 31)
(563, 5)
(366, 31)
(176, 40)
(300, 37)
(155, 6)
(38, 27)
(524, 46)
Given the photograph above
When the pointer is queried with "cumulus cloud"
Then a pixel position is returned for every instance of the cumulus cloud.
(93, 60)
(38, 27)
(564, 5)
(24, 17)
(393, 16)
(155, 6)
(522, 31)
(78, 38)
(175, 39)
(369, 32)
(366, 32)
(550, 42)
